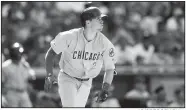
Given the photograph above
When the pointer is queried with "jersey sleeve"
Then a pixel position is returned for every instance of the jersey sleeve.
(109, 56)
(59, 43)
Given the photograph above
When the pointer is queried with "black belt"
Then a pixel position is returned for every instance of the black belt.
(82, 79)
(79, 79)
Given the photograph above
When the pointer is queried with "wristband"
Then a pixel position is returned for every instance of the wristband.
(105, 86)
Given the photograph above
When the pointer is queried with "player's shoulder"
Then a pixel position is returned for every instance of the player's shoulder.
(6, 64)
(25, 63)
(70, 34)
(105, 40)
(102, 37)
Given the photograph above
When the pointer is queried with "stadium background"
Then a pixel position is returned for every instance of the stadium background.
(149, 38)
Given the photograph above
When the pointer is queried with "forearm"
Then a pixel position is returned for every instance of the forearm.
(108, 77)
(49, 61)
(107, 80)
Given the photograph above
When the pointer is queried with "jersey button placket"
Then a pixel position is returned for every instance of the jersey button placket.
(86, 62)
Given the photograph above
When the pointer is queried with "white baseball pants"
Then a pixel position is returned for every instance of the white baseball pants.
(73, 93)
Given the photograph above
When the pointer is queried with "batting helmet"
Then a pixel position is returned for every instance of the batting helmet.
(90, 13)
(88, 4)
(15, 51)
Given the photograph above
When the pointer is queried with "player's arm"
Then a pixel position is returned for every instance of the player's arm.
(108, 76)
(31, 72)
(58, 45)
(49, 61)
(107, 81)
(109, 59)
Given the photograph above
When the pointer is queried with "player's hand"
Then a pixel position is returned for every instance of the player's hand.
(102, 96)
(49, 81)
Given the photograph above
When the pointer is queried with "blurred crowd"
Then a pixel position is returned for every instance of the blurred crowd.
(149, 32)
(158, 97)
(142, 32)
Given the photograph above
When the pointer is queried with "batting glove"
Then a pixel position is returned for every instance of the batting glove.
(103, 94)
(49, 81)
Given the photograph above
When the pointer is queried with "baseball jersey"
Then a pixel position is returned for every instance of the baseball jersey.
(15, 76)
(81, 58)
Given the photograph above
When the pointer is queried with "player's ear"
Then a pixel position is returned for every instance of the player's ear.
(87, 22)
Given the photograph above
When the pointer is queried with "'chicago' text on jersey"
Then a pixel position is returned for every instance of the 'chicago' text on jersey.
(86, 55)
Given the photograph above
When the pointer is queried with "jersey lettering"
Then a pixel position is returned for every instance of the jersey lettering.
(90, 58)
(74, 54)
(94, 57)
(85, 55)
(98, 56)
(79, 54)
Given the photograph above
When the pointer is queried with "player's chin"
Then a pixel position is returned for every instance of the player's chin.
(101, 28)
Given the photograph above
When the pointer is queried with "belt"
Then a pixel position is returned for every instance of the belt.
(79, 79)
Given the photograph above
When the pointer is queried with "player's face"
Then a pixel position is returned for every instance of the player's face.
(97, 23)
(16, 54)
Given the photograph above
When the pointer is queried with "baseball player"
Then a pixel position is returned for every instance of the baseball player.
(84, 51)
(15, 74)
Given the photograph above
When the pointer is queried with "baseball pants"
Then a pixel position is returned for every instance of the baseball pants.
(73, 93)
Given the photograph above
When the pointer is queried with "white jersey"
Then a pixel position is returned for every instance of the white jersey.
(16, 75)
(83, 59)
